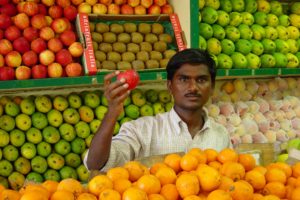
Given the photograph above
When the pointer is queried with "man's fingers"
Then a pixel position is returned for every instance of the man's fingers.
(108, 77)
(117, 91)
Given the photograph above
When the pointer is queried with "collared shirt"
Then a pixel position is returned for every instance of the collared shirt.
(162, 134)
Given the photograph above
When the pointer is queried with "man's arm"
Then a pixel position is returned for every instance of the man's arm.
(115, 93)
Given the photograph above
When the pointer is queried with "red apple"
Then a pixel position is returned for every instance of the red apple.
(2, 61)
(55, 45)
(43, 10)
(55, 12)
(9, 9)
(113, 9)
(55, 70)
(160, 2)
(47, 33)
(154, 10)
(99, 8)
(139, 10)
(63, 3)
(7, 73)
(167, 9)
(39, 21)
(3, 2)
(106, 2)
(21, 45)
(146, 3)
(77, 2)
(127, 9)
(63, 57)
(46, 57)
(5, 21)
(76, 49)
(39, 71)
(23, 73)
(5, 46)
(22, 21)
(73, 69)
(38, 45)
(70, 13)
(68, 37)
(84, 8)
(31, 8)
(20, 6)
(30, 33)
(13, 59)
(120, 2)
(59, 25)
(48, 2)
(29, 58)
(133, 3)
(12, 33)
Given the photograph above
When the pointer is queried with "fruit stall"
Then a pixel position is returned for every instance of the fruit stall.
(54, 55)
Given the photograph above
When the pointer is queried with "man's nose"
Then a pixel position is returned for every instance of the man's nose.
(193, 85)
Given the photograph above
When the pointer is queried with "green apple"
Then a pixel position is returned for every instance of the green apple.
(257, 47)
(169, 106)
(239, 60)
(23, 122)
(293, 46)
(10, 153)
(43, 103)
(282, 46)
(6, 168)
(253, 61)
(83, 173)
(44, 149)
(82, 129)
(282, 157)
(92, 100)
(201, 4)
(293, 32)
(89, 139)
(86, 113)
(226, 5)
(269, 46)
(232, 33)
(267, 61)
(146, 110)
(39, 164)
(238, 5)
(251, 6)
(22, 165)
(158, 107)
(224, 61)
(12, 109)
(272, 20)
(214, 46)
(67, 132)
(16, 137)
(209, 15)
(125, 119)
(52, 174)
(138, 99)
(94, 125)
(245, 32)
(1, 110)
(227, 46)
(16, 180)
(258, 32)
(205, 30)
(293, 61)
(68, 172)
(34, 135)
(219, 31)
(4, 138)
(293, 144)
(282, 32)
(62, 147)
(34, 177)
(215, 4)
(280, 59)
(100, 112)
(248, 18)
(284, 20)
(60, 103)
(243, 46)
(276, 8)
(132, 111)
(72, 160)
(235, 19)
(223, 18)
(51, 134)
(104, 101)
(78, 145)
(71, 116)
(127, 101)
(7, 123)
(28, 150)
(39, 120)
(55, 161)
(271, 33)
(164, 96)
(295, 8)
(74, 100)
(27, 106)
(54, 118)
(152, 95)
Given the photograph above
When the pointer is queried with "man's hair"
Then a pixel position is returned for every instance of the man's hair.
(191, 56)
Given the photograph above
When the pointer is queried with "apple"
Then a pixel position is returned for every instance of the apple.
(131, 76)
(55, 70)
(20, 6)
(76, 49)
(63, 3)
(154, 10)
(91, 2)
(160, 2)
(139, 10)
(3, 2)
(99, 8)
(127, 9)
(133, 3)
(13, 59)
(23, 73)
(59, 25)
(22, 21)
(39, 21)
(21, 45)
(29, 58)
(55, 45)
(47, 33)
(12, 33)
(120, 2)
(55, 11)
(68, 37)
(42, 9)
(38, 45)
(77, 2)
(30, 8)
(1, 60)
(7, 73)
(63, 57)
(30, 33)
(48, 2)
(146, 3)
(70, 12)
(106, 2)
(113, 9)
(167, 9)
(5, 46)
(9, 9)
(46, 57)
(39, 71)
(84, 8)
(49, 20)
(5, 21)
(73, 69)
(1, 34)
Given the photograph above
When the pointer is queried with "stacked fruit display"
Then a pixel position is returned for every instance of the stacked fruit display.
(127, 7)
(132, 45)
(250, 34)
(46, 137)
(197, 175)
(38, 40)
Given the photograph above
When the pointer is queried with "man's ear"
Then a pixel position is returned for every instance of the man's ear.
(169, 85)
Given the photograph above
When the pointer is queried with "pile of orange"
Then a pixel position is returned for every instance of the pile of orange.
(197, 175)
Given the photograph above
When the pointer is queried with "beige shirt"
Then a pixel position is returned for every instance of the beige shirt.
(162, 134)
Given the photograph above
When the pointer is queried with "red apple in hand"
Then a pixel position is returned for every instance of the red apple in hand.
(13, 59)
(39, 71)
(5, 21)
(12, 33)
(5, 46)
(131, 76)
(29, 58)
(23, 73)
(7, 73)
(73, 69)
(30, 33)
(55, 70)
(76, 49)
(38, 45)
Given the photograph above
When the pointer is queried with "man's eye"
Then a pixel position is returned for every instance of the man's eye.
(183, 79)
(201, 80)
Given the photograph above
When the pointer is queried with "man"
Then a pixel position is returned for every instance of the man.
(191, 77)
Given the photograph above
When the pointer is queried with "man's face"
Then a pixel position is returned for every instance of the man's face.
(191, 86)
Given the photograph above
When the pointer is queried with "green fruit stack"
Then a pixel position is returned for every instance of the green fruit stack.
(45, 138)
(250, 33)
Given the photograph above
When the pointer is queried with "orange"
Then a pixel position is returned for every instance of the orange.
(275, 175)
(36, 188)
(156, 197)
(228, 87)
(50, 185)
(62, 195)
(34, 195)
(71, 185)
(295, 194)
(233, 170)
(261, 169)
(209, 177)
(285, 167)
(270, 197)
(211, 155)
(149, 183)
(117, 173)
(227, 155)
(203, 196)
(8, 194)
(256, 179)
(288, 191)
(219, 194)
(120, 185)
(86, 196)
(257, 196)
(275, 188)
(166, 175)
(248, 161)
(2, 188)
(109, 194)
(134, 194)
(225, 183)
(187, 184)
(199, 154)
(98, 184)
(292, 181)
(146, 170)
(188, 162)
(241, 190)
(156, 166)
(135, 170)
(192, 197)
(297, 182)
(170, 192)
(173, 161)
(296, 170)
(215, 164)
